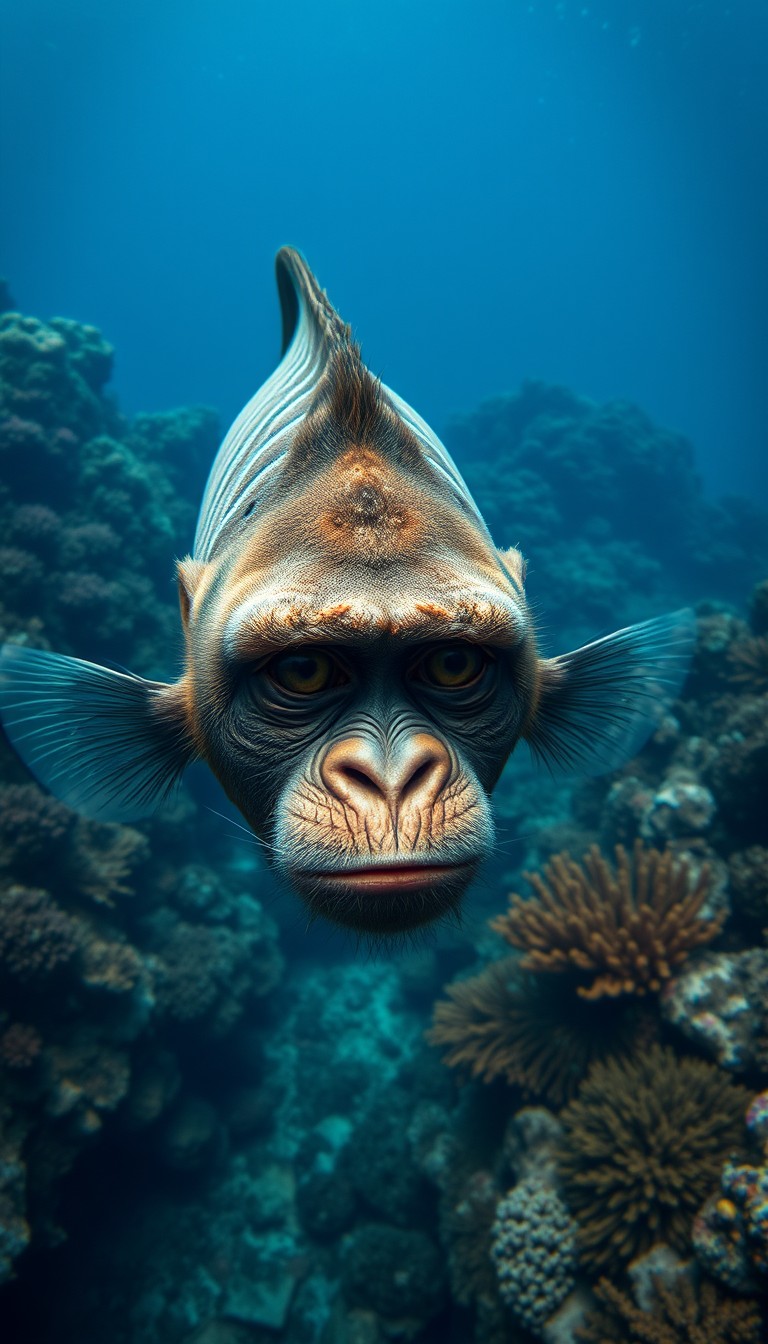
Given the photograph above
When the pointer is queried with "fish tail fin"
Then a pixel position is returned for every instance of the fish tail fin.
(599, 704)
(108, 744)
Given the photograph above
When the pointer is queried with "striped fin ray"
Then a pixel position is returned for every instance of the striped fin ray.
(600, 703)
(437, 455)
(108, 744)
(259, 440)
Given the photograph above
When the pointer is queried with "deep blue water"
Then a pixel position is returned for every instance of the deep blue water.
(561, 190)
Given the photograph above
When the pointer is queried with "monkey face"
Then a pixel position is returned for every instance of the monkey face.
(365, 761)
(383, 816)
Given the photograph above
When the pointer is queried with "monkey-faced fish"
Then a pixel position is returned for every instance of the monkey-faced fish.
(360, 659)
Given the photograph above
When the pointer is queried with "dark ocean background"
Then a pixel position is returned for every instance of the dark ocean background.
(546, 223)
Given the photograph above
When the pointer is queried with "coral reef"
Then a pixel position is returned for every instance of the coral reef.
(599, 494)
(626, 931)
(730, 1232)
(37, 938)
(397, 1274)
(92, 508)
(749, 662)
(643, 1144)
(721, 1004)
(535, 1035)
(534, 1251)
(203, 1144)
(682, 1314)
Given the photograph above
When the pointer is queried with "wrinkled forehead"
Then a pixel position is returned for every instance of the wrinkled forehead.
(306, 603)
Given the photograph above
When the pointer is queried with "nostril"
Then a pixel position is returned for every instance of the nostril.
(359, 778)
(417, 778)
(427, 778)
(349, 772)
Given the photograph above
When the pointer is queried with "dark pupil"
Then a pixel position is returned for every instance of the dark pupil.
(455, 662)
(303, 668)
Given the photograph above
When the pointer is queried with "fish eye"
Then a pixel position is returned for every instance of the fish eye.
(453, 666)
(305, 671)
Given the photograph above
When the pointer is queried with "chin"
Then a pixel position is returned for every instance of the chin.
(385, 899)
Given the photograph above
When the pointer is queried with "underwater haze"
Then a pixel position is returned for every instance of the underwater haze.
(412, 1047)
(574, 192)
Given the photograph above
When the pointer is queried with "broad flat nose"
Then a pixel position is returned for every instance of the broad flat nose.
(357, 773)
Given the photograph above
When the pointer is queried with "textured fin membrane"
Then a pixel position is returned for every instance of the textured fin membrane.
(600, 703)
(106, 743)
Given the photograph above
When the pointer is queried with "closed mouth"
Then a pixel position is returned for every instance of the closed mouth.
(383, 878)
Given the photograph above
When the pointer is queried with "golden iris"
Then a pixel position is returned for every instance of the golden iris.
(304, 673)
(453, 666)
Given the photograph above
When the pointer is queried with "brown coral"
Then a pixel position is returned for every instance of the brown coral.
(34, 828)
(106, 858)
(682, 1314)
(624, 932)
(644, 1144)
(535, 1035)
(36, 936)
(748, 663)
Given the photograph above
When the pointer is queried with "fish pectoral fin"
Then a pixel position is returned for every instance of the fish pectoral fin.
(599, 704)
(108, 744)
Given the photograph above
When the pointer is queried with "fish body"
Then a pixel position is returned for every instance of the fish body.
(360, 659)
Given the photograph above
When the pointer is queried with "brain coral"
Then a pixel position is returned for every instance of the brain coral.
(534, 1251)
(644, 1142)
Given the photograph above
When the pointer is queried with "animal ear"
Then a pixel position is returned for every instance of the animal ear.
(515, 562)
(108, 744)
(599, 704)
(189, 573)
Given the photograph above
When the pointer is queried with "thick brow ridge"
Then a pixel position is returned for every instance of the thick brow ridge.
(264, 627)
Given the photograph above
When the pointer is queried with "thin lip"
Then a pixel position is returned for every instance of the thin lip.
(386, 877)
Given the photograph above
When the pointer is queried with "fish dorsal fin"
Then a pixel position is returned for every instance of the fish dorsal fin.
(303, 301)
(246, 470)
(320, 399)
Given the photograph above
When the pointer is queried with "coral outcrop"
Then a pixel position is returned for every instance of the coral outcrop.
(730, 1233)
(534, 1250)
(608, 504)
(682, 1314)
(93, 508)
(721, 1004)
(534, 1034)
(643, 1144)
(623, 932)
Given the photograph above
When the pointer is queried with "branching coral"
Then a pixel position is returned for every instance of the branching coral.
(682, 1314)
(535, 1035)
(36, 936)
(644, 1144)
(748, 659)
(625, 932)
(33, 827)
(106, 857)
